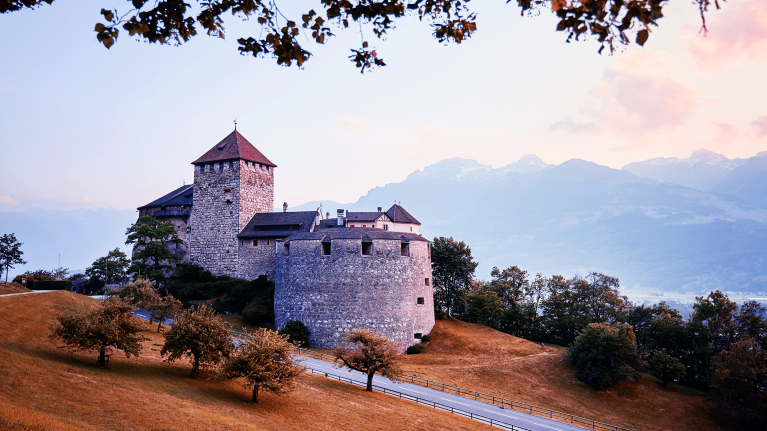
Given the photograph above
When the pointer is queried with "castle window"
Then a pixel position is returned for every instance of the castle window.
(426, 281)
(255, 243)
(287, 249)
(405, 249)
(364, 225)
(326, 248)
(367, 248)
(221, 167)
(231, 165)
(417, 335)
(411, 228)
(419, 301)
(268, 242)
(386, 227)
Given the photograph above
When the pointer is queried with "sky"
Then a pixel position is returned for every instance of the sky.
(86, 127)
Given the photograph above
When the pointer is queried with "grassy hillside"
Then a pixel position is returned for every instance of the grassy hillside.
(520, 370)
(5, 289)
(43, 387)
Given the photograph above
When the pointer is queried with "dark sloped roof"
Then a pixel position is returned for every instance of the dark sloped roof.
(363, 216)
(304, 220)
(367, 234)
(181, 196)
(234, 146)
(399, 215)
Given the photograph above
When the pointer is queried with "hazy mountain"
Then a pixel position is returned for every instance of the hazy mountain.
(703, 170)
(80, 236)
(579, 216)
(748, 181)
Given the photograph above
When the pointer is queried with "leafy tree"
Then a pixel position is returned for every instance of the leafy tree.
(666, 367)
(605, 353)
(751, 323)
(510, 285)
(265, 361)
(562, 313)
(78, 276)
(739, 383)
(10, 248)
(60, 273)
(199, 335)
(609, 22)
(452, 269)
(167, 306)
(372, 353)
(484, 307)
(296, 332)
(139, 293)
(110, 326)
(151, 241)
(109, 268)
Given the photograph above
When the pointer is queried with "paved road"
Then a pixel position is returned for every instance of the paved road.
(27, 293)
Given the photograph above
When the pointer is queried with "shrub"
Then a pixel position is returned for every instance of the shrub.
(415, 349)
(258, 312)
(297, 332)
(604, 354)
(440, 315)
(50, 285)
(426, 338)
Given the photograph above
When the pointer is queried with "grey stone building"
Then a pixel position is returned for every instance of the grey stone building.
(368, 269)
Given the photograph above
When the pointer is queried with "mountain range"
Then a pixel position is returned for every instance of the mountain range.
(662, 225)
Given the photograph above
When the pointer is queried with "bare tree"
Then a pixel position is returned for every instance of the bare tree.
(372, 353)
(201, 336)
(265, 361)
(110, 326)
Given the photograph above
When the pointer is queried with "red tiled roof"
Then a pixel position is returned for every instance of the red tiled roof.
(234, 146)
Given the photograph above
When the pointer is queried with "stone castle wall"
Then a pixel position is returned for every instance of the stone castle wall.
(346, 290)
(224, 201)
(256, 261)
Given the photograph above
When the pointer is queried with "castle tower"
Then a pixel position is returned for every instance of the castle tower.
(232, 182)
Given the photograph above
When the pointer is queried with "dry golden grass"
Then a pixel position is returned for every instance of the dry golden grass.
(5, 289)
(43, 387)
(521, 370)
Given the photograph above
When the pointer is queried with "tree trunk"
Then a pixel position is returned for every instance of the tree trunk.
(255, 394)
(159, 325)
(195, 366)
(369, 387)
(102, 362)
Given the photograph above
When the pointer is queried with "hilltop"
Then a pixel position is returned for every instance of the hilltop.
(43, 387)
(521, 370)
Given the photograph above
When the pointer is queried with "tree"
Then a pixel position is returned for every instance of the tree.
(666, 367)
(199, 335)
(265, 361)
(739, 382)
(752, 323)
(372, 353)
(510, 285)
(610, 22)
(484, 307)
(296, 332)
(110, 326)
(452, 269)
(60, 273)
(152, 256)
(605, 353)
(167, 306)
(10, 250)
(139, 293)
(109, 268)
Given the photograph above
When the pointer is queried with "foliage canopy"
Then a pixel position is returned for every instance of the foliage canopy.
(199, 335)
(371, 353)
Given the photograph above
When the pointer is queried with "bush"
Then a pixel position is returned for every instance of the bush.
(604, 354)
(440, 315)
(258, 312)
(415, 349)
(426, 338)
(297, 332)
(50, 285)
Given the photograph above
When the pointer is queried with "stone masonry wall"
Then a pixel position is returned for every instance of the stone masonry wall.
(219, 215)
(255, 261)
(346, 290)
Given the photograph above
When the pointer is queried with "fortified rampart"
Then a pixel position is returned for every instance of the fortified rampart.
(379, 280)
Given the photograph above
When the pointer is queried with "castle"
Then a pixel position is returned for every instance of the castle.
(369, 269)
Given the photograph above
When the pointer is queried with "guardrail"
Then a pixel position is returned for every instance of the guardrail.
(470, 415)
(492, 399)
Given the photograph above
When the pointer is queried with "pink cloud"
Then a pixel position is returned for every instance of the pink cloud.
(759, 127)
(349, 123)
(726, 132)
(570, 126)
(8, 200)
(738, 29)
(86, 199)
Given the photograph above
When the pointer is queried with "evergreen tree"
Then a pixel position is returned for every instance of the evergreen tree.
(10, 253)
(151, 240)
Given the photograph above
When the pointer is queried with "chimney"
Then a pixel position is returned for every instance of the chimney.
(340, 216)
(327, 216)
(285, 207)
(379, 209)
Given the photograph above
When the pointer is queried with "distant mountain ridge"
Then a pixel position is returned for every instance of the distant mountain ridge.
(579, 216)
(703, 170)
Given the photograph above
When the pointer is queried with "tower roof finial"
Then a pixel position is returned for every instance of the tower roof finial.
(235, 124)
